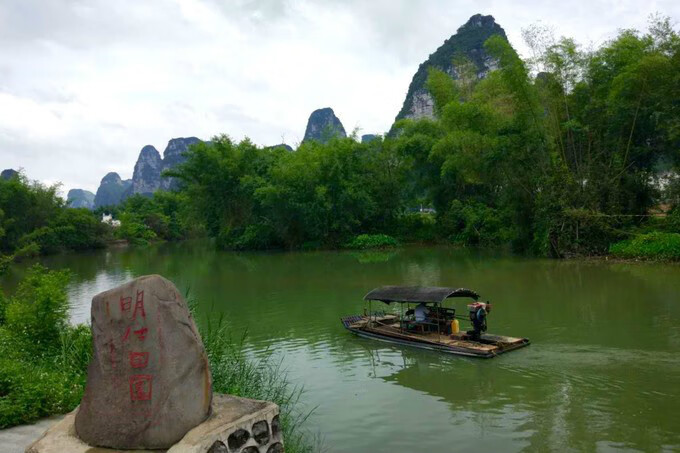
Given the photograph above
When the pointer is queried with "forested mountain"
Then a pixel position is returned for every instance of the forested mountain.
(111, 190)
(462, 56)
(323, 125)
(78, 198)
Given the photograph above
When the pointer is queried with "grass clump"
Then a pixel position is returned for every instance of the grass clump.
(372, 241)
(657, 245)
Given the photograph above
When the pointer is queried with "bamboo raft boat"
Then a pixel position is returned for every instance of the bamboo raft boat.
(438, 330)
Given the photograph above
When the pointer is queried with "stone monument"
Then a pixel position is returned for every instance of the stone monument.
(149, 380)
(149, 384)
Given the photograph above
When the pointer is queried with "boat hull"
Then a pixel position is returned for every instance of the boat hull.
(350, 324)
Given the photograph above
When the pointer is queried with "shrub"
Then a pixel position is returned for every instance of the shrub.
(3, 307)
(665, 246)
(475, 223)
(673, 220)
(5, 261)
(372, 241)
(252, 237)
(43, 360)
(134, 230)
(45, 238)
(79, 229)
(30, 250)
(417, 226)
(36, 314)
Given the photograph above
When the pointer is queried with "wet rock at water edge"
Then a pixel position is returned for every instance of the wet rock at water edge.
(149, 381)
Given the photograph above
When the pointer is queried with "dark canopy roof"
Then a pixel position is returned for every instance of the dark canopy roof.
(417, 294)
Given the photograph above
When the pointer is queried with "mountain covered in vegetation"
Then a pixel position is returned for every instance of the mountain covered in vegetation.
(111, 190)
(8, 173)
(146, 178)
(323, 125)
(174, 155)
(462, 56)
(79, 198)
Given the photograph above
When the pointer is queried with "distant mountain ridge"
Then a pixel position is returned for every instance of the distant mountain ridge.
(323, 124)
(467, 42)
(148, 177)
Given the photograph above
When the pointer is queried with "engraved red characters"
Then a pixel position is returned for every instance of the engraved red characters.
(139, 305)
(125, 304)
(140, 384)
(140, 387)
(139, 359)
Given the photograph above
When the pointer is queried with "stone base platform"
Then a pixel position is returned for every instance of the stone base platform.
(236, 425)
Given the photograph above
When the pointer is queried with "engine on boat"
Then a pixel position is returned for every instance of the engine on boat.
(478, 313)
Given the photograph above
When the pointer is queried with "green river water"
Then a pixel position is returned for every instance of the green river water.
(602, 373)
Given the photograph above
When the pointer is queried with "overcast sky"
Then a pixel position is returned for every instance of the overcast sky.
(84, 85)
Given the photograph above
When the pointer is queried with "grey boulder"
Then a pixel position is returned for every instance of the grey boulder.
(149, 380)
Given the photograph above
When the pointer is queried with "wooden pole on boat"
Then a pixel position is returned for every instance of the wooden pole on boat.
(439, 340)
(401, 318)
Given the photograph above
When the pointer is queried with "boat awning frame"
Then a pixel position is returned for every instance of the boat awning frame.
(418, 294)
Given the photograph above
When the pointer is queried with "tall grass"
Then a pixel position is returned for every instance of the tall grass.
(265, 378)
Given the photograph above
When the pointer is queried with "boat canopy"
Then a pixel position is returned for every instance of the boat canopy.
(418, 294)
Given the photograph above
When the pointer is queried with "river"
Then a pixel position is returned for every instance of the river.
(602, 373)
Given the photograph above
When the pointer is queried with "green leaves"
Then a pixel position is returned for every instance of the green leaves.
(656, 245)
(442, 88)
(372, 241)
(322, 193)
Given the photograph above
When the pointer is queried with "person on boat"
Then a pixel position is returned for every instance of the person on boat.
(421, 312)
(478, 313)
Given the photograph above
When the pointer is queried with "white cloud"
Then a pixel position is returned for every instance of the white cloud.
(85, 85)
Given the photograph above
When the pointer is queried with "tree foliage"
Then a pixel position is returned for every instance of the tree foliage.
(35, 220)
(561, 161)
(319, 195)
